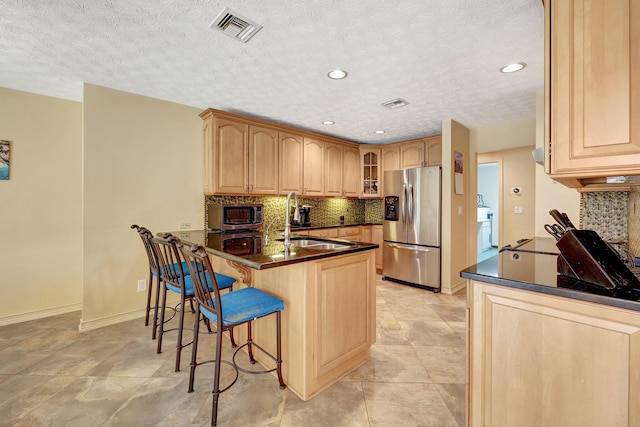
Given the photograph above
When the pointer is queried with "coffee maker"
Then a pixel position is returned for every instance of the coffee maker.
(305, 215)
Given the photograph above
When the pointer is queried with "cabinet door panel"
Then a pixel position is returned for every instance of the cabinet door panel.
(412, 155)
(332, 169)
(231, 160)
(370, 173)
(434, 150)
(538, 360)
(290, 165)
(350, 171)
(263, 160)
(595, 89)
(376, 236)
(313, 175)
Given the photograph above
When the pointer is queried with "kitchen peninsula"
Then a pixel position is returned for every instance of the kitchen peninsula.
(328, 324)
(544, 349)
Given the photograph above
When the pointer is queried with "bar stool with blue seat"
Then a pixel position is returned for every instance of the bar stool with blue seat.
(234, 309)
(173, 274)
(146, 236)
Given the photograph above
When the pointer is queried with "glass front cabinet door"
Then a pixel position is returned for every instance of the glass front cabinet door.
(370, 172)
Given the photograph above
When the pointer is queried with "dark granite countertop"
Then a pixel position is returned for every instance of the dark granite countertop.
(318, 227)
(265, 255)
(537, 272)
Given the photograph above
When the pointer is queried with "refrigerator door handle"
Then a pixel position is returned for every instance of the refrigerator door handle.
(410, 209)
(404, 203)
(408, 247)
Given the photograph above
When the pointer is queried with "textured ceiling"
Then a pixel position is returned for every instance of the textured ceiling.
(442, 56)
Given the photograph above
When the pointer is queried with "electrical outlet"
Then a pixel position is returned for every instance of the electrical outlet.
(142, 285)
(185, 225)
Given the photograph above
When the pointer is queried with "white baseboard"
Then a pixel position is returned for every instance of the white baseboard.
(459, 286)
(454, 288)
(40, 314)
(110, 320)
(119, 318)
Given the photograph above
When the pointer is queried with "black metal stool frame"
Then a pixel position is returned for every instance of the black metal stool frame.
(199, 264)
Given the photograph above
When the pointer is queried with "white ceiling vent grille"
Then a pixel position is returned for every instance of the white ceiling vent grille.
(395, 103)
(234, 25)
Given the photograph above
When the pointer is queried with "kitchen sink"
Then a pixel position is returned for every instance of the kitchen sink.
(321, 246)
(317, 244)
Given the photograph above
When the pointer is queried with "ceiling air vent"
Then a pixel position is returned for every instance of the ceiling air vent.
(395, 103)
(234, 25)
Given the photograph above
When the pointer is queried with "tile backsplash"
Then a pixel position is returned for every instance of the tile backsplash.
(615, 216)
(607, 213)
(634, 223)
(325, 211)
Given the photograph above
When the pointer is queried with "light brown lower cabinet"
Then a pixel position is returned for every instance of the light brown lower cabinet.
(350, 233)
(324, 232)
(536, 359)
(328, 322)
(376, 237)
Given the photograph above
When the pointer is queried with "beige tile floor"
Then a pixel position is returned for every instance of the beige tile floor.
(51, 374)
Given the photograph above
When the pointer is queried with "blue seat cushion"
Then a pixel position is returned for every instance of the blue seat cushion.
(224, 282)
(185, 268)
(245, 304)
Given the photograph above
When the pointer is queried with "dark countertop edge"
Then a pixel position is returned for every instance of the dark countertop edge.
(563, 292)
(319, 227)
(321, 255)
(356, 247)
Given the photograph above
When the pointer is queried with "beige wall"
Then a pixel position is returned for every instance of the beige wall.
(143, 165)
(40, 207)
(516, 169)
(456, 240)
(498, 140)
(503, 136)
(550, 194)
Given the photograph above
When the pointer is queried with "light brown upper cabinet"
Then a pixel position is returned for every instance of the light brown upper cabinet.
(390, 158)
(433, 146)
(226, 160)
(313, 174)
(592, 90)
(332, 169)
(239, 158)
(351, 171)
(412, 154)
(291, 162)
(369, 172)
(263, 160)
(341, 170)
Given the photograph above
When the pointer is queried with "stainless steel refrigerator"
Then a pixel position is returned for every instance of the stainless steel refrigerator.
(411, 230)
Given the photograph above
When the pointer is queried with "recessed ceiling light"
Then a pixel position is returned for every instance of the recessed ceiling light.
(328, 122)
(512, 68)
(337, 74)
(378, 131)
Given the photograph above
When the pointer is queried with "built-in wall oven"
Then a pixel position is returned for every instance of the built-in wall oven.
(228, 217)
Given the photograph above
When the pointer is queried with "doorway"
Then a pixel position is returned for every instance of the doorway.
(488, 213)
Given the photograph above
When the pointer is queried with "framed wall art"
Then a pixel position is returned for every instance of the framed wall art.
(5, 149)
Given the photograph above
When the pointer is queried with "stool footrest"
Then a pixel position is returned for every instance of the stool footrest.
(226, 362)
(248, 371)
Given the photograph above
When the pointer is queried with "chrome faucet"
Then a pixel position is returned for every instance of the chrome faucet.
(287, 224)
(266, 235)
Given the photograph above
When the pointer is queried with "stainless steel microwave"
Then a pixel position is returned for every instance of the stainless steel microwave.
(227, 216)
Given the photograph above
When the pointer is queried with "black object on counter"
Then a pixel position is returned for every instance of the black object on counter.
(584, 255)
